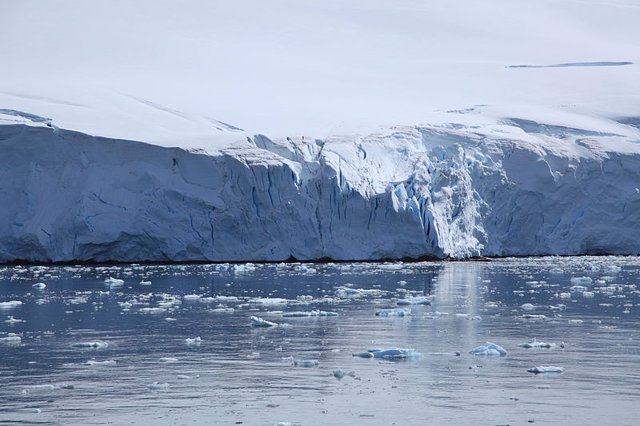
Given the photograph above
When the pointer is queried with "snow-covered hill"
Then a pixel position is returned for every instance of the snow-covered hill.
(431, 129)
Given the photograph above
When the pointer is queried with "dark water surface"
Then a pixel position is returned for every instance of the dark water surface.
(241, 374)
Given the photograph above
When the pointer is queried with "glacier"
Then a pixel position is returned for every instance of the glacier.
(446, 190)
(366, 130)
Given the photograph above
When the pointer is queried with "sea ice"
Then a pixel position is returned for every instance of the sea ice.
(12, 304)
(389, 353)
(11, 339)
(306, 363)
(12, 320)
(97, 344)
(196, 341)
(542, 369)
(393, 312)
(107, 363)
(159, 386)
(490, 349)
(39, 286)
(535, 344)
(259, 322)
(113, 282)
(418, 300)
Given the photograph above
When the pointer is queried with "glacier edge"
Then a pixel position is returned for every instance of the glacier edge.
(511, 188)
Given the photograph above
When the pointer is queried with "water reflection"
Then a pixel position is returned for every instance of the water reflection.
(241, 373)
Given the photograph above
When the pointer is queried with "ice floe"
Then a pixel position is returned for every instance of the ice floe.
(96, 344)
(196, 341)
(11, 304)
(417, 300)
(106, 363)
(389, 353)
(490, 349)
(39, 286)
(11, 339)
(548, 369)
(535, 344)
(394, 312)
(259, 322)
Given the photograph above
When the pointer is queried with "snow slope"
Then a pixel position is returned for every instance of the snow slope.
(431, 129)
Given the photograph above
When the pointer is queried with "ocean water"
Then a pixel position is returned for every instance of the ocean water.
(139, 369)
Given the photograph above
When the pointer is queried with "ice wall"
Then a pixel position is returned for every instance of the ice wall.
(514, 187)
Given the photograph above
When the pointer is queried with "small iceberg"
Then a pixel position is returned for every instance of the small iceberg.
(490, 349)
(11, 320)
(12, 304)
(107, 363)
(307, 363)
(418, 300)
(168, 360)
(39, 286)
(581, 280)
(259, 322)
(114, 282)
(394, 312)
(314, 313)
(527, 307)
(340, 373)
(11, 339)
(535, 344)
(145, 282)
(191, 297)
(196, 341)
(389, 353)
(542, 369)
(159, 386)
(98, 344)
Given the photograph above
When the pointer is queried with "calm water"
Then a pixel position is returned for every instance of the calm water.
(241, 374)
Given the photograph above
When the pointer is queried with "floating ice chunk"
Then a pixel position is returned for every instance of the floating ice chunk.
(575, 321)
(527, 307)
(97, 344)
(196, 341)
(12, 304)
(534, 316)
(168, 360)
(418, 300)
(614, 268)
(107, 363)
(340, 373)
(581, 280)
(588, 294)
(39, 286)
(268, 301)
(542, 369)
(153, 311)
(259, 322)
(577, 288)
(11, 339)
(394, 312)
(186, 377)
(145, 282)
(38, 388)
(535, 344)
(191, 297)
(565, 295)
(222, 310)
(11, 320)
(556, 271)
(314, 313)
(159, 386)
(388, 354)
(114, 282)
(307, 363)
(490, 349)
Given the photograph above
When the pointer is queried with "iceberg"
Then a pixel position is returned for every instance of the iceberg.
(388, 354)
(12, 304)
(11, 339)
(97, 344)
(259, 322)
(535, 344)
(490, 349)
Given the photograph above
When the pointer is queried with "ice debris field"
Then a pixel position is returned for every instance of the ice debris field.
(367, 130)
(452, 336)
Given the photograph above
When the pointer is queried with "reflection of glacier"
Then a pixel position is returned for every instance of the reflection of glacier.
(513, 188)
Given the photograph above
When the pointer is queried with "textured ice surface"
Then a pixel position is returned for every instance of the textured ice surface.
(490, 349)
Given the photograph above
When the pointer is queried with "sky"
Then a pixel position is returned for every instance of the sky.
(284, 67)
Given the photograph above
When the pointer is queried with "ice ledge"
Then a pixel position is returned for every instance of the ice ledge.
(515, 187)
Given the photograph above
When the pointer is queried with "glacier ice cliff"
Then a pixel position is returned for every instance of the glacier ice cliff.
(505, 187)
